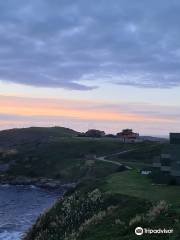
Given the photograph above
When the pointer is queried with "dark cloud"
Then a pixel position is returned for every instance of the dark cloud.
(63, 43)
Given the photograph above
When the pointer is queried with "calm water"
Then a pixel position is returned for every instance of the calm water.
(19, 208)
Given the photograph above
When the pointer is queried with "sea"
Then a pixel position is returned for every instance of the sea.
(20, 206)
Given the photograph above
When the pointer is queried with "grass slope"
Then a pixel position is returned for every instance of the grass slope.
(39, 134)
(113, 206)
(132, 183)
(62, 158)
(90, 213)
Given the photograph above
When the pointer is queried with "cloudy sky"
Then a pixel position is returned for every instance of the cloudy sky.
(90, 64)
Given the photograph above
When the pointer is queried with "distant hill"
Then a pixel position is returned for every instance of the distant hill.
(41, 134)
(154, 139)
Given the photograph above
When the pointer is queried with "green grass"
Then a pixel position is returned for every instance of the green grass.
(132, 183)
(59, 153)
(144, 153)
(61, 157)
(128, 192)
(77, 216)
(136, 165)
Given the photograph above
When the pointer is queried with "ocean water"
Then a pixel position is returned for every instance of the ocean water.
(19, 208)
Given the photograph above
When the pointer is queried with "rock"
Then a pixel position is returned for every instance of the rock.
(39, 182)
(4, 167)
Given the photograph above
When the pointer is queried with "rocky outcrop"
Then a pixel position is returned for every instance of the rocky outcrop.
(4, 167)
(39, 182)
(46, 183)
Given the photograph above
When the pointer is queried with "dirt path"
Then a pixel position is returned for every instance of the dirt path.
(103, 158)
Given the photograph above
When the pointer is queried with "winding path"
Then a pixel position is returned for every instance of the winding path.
(103, 158)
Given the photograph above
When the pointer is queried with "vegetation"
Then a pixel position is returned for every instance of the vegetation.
(132, 183)
(14, 137)
(144, 153)
(55, 153)
(110, 202)
(90, 213)
(93, 133)
(64, 158)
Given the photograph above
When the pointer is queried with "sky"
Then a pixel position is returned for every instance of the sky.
(90, 64)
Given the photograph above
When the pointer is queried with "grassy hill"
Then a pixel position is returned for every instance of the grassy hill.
(108, 203)
(59, 153)
(55, 153)
(132, 183)
(104, 210)
(26, 135)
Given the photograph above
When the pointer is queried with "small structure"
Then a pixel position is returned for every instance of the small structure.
(89, 163)
(166, 161)
(175, 161)
(175, 138)
(169, 161)
(127, 135)
(146, 172)
(156, 162)
(90, 156)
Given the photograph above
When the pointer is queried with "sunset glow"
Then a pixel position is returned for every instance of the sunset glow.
(24, 110)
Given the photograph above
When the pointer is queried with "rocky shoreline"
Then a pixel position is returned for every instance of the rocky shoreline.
(41, 182)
